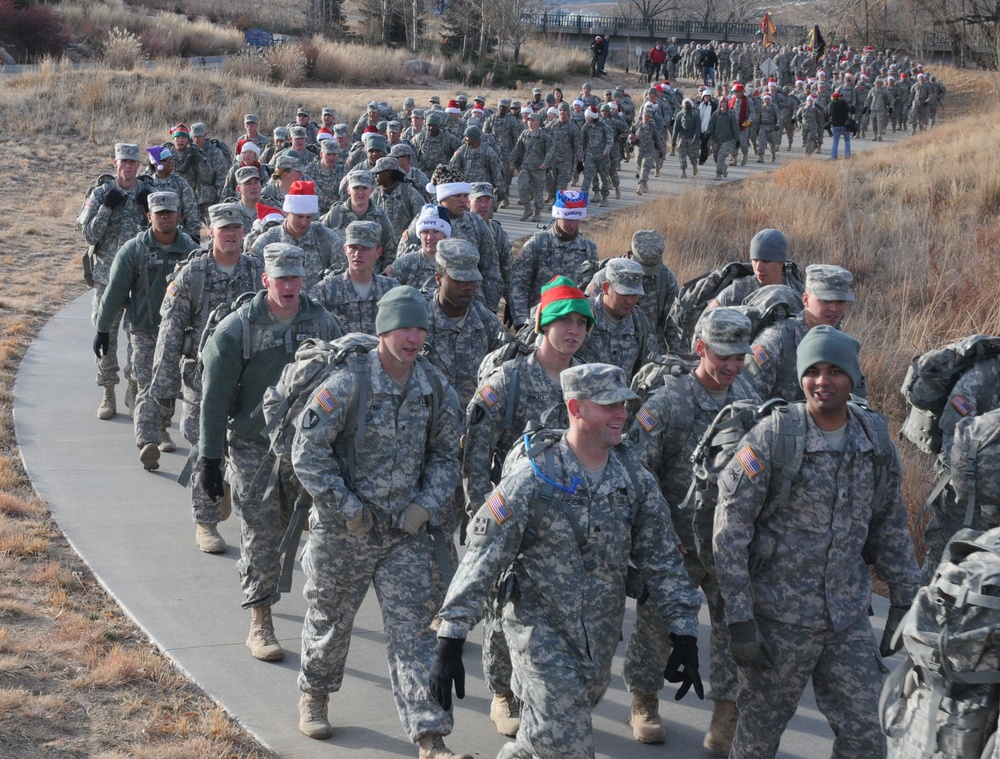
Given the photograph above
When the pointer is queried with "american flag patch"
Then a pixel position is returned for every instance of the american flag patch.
(759, 355)
(498, 506)
(962, 406)
(172, 289)
(647, 420)
(489, 397)
(326, 400)
(751, 464)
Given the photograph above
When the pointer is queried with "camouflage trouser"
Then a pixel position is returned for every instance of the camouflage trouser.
(723, 151)
(149, 417)
(646, 164)
(531, 188)
(649, 646)
(107, 367)
(596, 169)
(262, 521)
(879, 121)
(847, 678)
(689, 150)
(742, 143)
(904, 115)
(339, 567)
(810, 137)
(789, 128)
(918, 117)
(768, 138)
(560, 175)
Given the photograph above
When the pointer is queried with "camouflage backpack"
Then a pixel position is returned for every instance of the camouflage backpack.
(929, 382)
(942, 702)
(518, 350)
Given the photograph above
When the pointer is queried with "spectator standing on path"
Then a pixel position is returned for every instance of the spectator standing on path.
(597, 48)
(840, 115)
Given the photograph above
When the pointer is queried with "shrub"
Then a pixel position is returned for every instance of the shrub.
(288, 64)
(123, 50)
(31, 32)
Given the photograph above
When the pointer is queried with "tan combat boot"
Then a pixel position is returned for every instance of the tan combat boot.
(505, 714)
(432, 747)
(538, 215)
(644, 717)
(312, 716)
(618, 193)
(504, 203)
(641, 188)
(743, 161)
(109, 406)
(684, 174)
(719, 738)
(166, 442)
(694, 168)
(208, 538)
(149, 455)
(262, 642)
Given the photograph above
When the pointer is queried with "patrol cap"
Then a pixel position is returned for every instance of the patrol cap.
(536, 90)
(340, 130)
(436, 99)
(401, 149)
(603, 384)
(503, 103)
(515, 104)
(302, 112)
(418, 113)
(481, 190)
(459, 258)
(127, 151)
(828, 282)
(534, 115)
(395, 126)
(329, 146)
(479, 99)
(769, 245)
(198, 129)
(282, 259)
(251, 118)
(436, 118)
(382, 126)
(386, 163)
(225, 215)
(401, 308)
(367, 234)
(328, 111)
(462, 98)
(828, 345)
(287, 162)
(164, 201)
(281, 133)
(474, 133)
(245, 173)
(563, 106)
(726, 331)
(409, 103)
(298, 132)
(360, 178)
(625, 276)
(647, 247)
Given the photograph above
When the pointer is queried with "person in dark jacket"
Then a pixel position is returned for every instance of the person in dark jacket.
(840, 116)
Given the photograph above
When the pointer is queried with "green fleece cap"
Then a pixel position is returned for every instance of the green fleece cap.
(561, 297)
(824, 344)
(400, 308)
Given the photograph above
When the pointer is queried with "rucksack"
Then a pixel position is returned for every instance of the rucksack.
(942, 703)
(515, 349)
(315, 360)
(696, 294)
(653, 374)
(929, 382)
(227, 152)
(719, 444)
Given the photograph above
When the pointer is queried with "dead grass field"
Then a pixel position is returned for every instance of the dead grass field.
(915, 223)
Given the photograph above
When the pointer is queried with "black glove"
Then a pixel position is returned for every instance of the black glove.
(142, 198)
(682, 666)
(579, 166)
(749, 647)
(114, 198)
(102, 344)
(211, 478)
(896, 614)
(446, 670)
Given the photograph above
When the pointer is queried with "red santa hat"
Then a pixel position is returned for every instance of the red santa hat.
(370, 129)
(591, 114)
(302, 198)
(453, 107)
(324, 134)
(266, 214)
(246, 144)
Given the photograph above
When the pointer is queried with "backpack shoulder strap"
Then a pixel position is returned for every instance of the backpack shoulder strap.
(513, 388)
(787, 451)
(877, 429)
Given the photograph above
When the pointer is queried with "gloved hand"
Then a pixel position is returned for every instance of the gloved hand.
(415, 516)
(446, 670)
(211, 478)
(114, 198)
(749, 647)
(361, 522)
(142, 198)
(579, 166)
(892, 622)
(682, 666)
(102, 344)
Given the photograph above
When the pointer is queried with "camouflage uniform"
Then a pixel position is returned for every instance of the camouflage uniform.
(341, 214)
(811, 600)
(232, 391)
(661, 289)
(811, 121)
(687, 130)
(568, 152)
(770, 367)
(563, 622)
(531, 150)
(229, 188)
(189, 219)
(323, 248)
(627, 344)
(743, 287)
(409, 458)
(651, 148)
(596, 142)
(402, 205)
(725, 130)
(770, 130)
(138, 277)
(337, 294)
(480, 164)
(176, 372)
(434, 150)
(506, 130)
(192, 165)
(107, 229)
(415, 269)
(327, 182)
(986, 495)
(540, 259)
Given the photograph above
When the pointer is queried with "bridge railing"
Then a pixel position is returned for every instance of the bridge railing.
(581, 24)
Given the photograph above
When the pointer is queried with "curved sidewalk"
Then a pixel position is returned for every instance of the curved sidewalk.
(134, 530)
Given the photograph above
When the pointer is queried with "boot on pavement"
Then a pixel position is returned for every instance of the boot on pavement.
(526, 214)
(719, 738)
(108, 407)
(208, 538)
(694, 168)
(504, 203)
(505, 714)
(684, 174)
(644, 717)
(604, 202)
(432, 747)
(149, 455)
(641, 188)
(166, 442)
(312, 716)
(262, 641)
(538, 215)
(760, 158)
(743, 161)
(618, 193)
